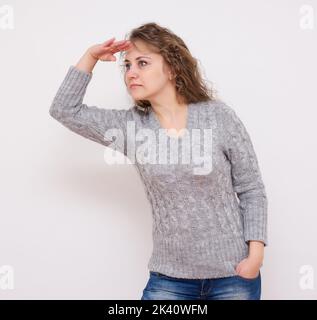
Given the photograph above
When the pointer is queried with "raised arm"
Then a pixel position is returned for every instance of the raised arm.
(90, 122)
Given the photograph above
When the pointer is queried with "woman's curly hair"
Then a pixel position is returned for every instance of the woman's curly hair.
(190, 87)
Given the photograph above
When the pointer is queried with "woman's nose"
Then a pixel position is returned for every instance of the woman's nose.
(131, 73)
(133, 70)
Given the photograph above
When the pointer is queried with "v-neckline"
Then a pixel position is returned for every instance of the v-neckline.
(189, 122)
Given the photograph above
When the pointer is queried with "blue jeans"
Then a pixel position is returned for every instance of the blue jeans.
(163, 287)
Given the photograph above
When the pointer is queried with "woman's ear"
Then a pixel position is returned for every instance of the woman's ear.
(170, 76)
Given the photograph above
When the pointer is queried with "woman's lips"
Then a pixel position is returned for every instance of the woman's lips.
(135, 86)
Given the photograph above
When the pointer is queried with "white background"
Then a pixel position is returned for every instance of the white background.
(73, 227)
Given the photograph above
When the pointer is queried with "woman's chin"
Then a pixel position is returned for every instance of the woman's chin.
(138, 96)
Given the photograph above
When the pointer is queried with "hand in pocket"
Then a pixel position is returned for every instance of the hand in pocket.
(248, 268)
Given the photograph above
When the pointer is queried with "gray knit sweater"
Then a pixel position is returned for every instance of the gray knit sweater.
(204, 210)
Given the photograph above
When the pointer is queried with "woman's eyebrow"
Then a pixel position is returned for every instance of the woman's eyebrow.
(126, 60)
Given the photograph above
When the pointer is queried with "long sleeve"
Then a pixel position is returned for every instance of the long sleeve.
(246, 176)
(88, 121)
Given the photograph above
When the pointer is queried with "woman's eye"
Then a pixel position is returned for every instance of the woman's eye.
(143, 61)
(126, 66)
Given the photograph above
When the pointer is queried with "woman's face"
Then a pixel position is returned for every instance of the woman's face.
(146, 69)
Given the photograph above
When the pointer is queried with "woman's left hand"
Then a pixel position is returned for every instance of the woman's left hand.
(249, 268)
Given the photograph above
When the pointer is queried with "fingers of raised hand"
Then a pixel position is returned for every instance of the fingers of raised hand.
(119, 45)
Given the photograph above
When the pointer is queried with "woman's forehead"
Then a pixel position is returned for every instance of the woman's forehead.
(137, 50)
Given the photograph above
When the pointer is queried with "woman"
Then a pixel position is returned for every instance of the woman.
(206, 243)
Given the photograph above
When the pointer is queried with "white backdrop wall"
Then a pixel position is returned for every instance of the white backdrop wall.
(73, 227)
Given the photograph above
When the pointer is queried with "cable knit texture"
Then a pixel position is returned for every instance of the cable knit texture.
(201, 222)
